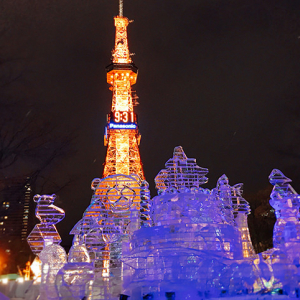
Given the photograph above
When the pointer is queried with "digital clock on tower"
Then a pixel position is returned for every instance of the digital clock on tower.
(123, 117)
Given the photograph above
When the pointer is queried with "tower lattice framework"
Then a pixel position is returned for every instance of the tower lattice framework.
(122, 135)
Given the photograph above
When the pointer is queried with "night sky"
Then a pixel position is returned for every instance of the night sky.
(218, 77)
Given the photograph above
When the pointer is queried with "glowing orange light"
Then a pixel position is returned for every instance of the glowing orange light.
(123, 155)
(105, 271)
(36, 268)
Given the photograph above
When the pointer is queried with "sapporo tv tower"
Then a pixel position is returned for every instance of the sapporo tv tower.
(122, 135)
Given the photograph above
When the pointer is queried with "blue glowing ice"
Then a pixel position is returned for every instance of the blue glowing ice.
(197, 241)
(181, 173)
(190, 243)
(286, 203)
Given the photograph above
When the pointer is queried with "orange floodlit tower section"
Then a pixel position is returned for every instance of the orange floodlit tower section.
(122, 136)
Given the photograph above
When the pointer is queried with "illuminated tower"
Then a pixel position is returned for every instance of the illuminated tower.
(122, 136)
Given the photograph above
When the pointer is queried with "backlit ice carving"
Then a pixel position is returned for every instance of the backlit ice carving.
(180, 173)
(74, 280)
(53, 258)
(196, 244)
(284, 257)
(191, 243)
(119, 206)
(286, 203)
(234, 210)
(49, 215)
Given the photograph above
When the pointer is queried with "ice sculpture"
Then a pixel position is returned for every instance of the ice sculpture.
(119, 206)
(74, 280)
(234, 210)
(53, 258)
(49, 215)
(195, 241)
(286, 203)
(180, 173)
(284, 256)
(78, 253)
(191, 243)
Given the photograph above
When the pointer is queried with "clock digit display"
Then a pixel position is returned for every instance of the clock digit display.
(117, 116)
(123, 116)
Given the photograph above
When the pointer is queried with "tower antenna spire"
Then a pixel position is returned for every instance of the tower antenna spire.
(121, 8)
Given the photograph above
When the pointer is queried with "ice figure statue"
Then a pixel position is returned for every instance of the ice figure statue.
(286, 203)
(49, 215)
(234, 210)
(53, 258)
(119, 206)
(194, 248)
(74, 280)
(284, 257)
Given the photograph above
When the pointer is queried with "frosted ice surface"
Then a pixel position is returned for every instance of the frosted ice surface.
(53, 258)
(78, 253)
(49, 215)
(74, 280)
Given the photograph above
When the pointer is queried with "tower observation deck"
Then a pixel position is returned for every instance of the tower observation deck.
(122, 136)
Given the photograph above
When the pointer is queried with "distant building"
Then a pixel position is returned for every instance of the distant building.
(16, 209)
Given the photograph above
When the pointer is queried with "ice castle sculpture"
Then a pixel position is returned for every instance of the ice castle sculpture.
(119, 207)
(49, 215)
(195, 238)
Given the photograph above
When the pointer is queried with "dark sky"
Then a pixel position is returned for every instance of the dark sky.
(218, 77)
